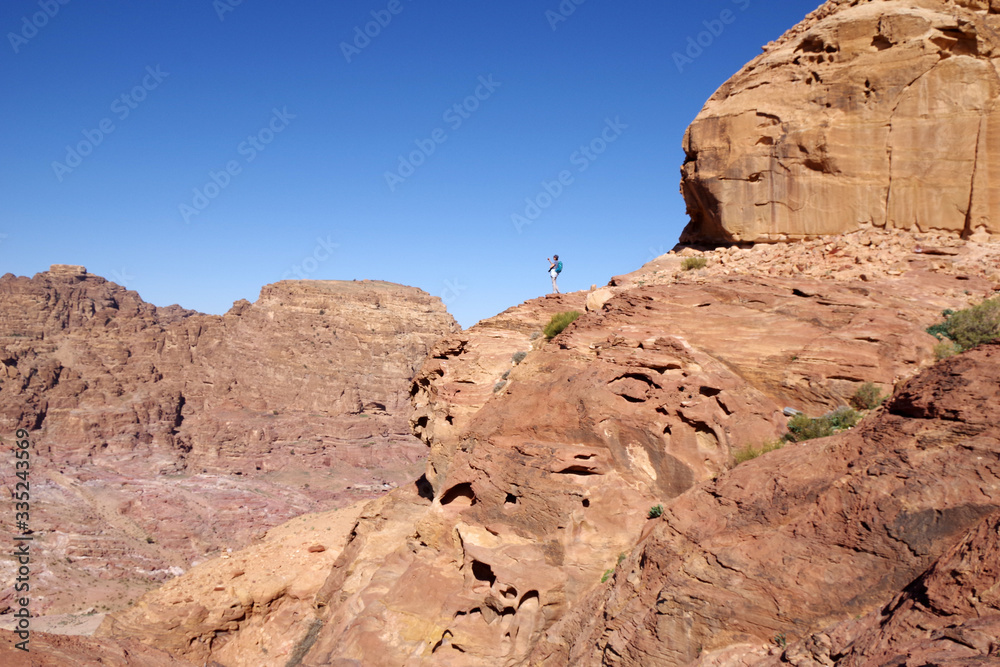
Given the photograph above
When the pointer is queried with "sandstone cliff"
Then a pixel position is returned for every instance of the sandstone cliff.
(542, 470)
(869, 113)
(164, 434)
(814, 533)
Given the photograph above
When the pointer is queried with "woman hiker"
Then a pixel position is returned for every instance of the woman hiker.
(555, 268)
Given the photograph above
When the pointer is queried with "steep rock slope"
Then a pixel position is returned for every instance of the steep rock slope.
(868, 113)
(818, 532)
(549, 481)
(162, 434)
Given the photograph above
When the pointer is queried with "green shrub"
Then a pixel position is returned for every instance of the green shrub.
(945, 349)
(750, 452)
(559, 322)
(499, 385)
(692, 263)
(969, 327)
(607, 575)
(802, 428)
(518, 357)
(867, 397)
(655, 512)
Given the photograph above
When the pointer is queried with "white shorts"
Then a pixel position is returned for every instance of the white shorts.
(552, 272)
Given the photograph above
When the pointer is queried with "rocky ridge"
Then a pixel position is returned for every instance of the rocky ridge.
(538, 482)
(868, 113)
(162, 435)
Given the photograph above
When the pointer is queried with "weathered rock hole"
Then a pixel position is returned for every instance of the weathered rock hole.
(586, 502)
(530, 601)
(422, 421)
(881, 43)
(709, 391)
(483, 572)
(460, 494)
(511, 499)
(424, 488)
(578, 470)
(765, 141)
(584, 457)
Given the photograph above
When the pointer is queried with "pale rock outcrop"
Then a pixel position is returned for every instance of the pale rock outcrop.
(869, 113)
(161, 434)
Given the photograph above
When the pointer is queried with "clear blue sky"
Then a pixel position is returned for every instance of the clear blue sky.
(115, 113)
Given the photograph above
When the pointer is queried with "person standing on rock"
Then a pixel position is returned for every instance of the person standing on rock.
(555, 268)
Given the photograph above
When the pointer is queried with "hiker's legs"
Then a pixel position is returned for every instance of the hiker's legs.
(555, 288)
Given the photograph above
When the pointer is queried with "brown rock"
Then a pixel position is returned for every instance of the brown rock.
(539, 488)
(160, 434)
(841, 525)
(865, 114)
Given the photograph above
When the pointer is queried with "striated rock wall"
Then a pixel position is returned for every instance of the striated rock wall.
(163, 434)
(869, 113)
(815, 533)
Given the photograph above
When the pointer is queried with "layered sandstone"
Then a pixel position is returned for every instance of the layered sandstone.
(867, 114)
(538, 484)
(162, 434)
(819, 532)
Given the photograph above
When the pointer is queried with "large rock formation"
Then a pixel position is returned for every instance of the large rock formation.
(876, 113)
(818, 532)
(162, 434)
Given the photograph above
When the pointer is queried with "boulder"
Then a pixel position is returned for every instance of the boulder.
(878, 113)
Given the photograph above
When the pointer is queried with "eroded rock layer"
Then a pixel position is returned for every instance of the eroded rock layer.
(820, 531)
(162, 434)
(876, 113)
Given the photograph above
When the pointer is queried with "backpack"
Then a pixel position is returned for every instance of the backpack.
(559, 267)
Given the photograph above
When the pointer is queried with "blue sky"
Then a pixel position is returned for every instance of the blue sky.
(197, 150)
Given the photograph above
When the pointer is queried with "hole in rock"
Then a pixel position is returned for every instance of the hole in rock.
(577, 470)
(483, 572)
(709, 391)
(461, 494)
(586, 502)
(511, 499)
(424, 488)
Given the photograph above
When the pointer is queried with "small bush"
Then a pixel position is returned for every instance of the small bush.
(969, 327)
(802, 428)
(499, 385)
(692, 263)
(518, 357)
(655, 512)
(945, 349)
(867, 397)
(750, 452)
(535, 336)
(607, 575)
(559, 322)
(506, 374)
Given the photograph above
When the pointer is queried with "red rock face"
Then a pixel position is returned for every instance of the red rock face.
(869, 113)
(163, 434)
(820, 531)
(537, 492)
(58, 651)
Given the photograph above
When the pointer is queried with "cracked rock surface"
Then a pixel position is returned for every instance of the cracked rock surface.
(876, 113)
